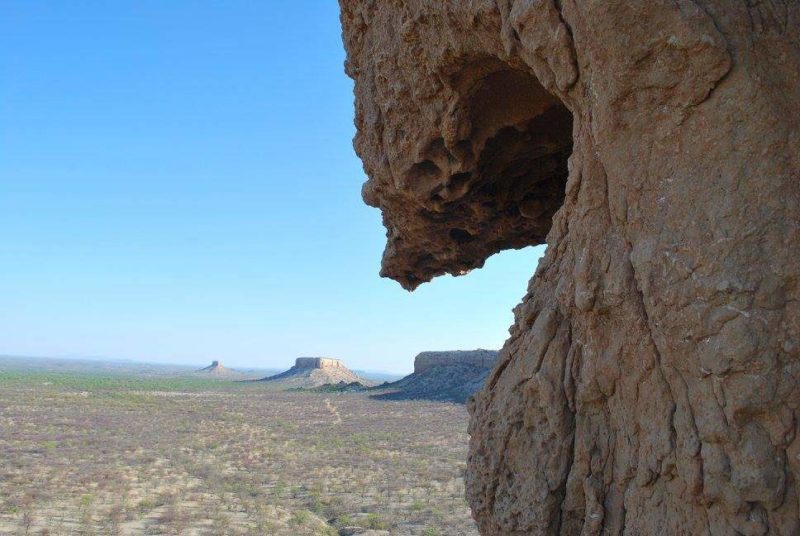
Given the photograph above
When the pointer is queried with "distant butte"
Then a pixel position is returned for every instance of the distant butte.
(449, 376)
(310, 372)
(217, 370)
(215, 366)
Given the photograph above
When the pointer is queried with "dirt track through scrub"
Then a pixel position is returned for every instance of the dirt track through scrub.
(337, 418)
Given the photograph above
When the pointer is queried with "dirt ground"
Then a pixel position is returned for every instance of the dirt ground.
(88, 454)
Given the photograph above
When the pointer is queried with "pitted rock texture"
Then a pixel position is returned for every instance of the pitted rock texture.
(650, 381)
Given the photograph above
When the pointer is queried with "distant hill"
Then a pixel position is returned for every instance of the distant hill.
(110, 366)
(311, 372)
(448, 376)
(217, 370)
(91, 366)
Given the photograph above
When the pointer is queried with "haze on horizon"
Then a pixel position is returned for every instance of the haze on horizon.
(179, 185)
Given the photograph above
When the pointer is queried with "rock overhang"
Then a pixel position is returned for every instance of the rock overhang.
(489, 178)
(464, 141)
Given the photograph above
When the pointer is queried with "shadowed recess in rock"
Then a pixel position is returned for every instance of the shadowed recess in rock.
(491, 181)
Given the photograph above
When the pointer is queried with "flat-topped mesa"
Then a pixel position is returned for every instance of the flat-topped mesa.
(311, 372)
(318, 363)
(448, 375)
(480, 358)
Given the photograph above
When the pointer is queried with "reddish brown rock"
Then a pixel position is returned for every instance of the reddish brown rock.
(650, 381)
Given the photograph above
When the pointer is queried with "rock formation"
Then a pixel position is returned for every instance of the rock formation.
(318, 363)
(650, 381)
(450, 376)
(311, 372)
(213, 367)
(216, 369)
(482, 359)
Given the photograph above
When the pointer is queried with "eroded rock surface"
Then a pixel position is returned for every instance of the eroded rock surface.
(650, 381)
(318, 362)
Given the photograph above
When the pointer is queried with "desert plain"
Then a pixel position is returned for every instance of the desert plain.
(99, 452)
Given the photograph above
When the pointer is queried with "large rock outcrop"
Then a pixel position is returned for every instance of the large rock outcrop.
(650, 381)
(318, 363)
(451, 376)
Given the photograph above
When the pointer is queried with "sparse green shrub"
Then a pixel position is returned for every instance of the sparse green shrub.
(145, 505)
(86, 501)
(279, 489)
(417, 505)
(374, 521)
(300, 517)
(344, 520)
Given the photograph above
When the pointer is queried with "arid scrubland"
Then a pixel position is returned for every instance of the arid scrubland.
(84, 454)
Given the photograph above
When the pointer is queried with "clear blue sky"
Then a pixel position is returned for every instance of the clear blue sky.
(177, 183)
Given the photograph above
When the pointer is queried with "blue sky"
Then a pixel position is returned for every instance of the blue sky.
(177, 183)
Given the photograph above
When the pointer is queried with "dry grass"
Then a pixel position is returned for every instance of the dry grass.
(90, 455)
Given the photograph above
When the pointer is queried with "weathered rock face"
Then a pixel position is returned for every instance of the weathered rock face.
(318, 362)
(483, 359)
(650, 381)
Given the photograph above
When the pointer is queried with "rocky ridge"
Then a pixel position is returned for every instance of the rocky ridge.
(449, 376)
